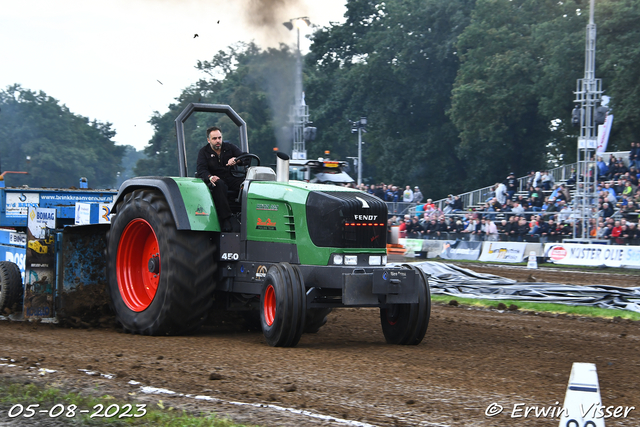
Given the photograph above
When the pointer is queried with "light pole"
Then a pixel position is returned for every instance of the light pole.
(359, 126)
(299, 114)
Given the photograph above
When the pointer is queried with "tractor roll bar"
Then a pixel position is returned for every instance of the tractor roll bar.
(211, 108)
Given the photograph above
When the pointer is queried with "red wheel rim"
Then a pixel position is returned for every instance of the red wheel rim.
(269, 305)
(138, 265)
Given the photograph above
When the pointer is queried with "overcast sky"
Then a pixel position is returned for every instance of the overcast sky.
(118, 61)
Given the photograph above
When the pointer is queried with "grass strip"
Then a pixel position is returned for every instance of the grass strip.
(16, 398)
(575, 310)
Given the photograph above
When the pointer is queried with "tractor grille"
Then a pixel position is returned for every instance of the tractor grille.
(346, 220)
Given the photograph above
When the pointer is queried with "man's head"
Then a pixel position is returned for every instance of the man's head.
(214, 138)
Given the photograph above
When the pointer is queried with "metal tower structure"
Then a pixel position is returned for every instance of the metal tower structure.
(299, 111)
(588, 95)
(299, 117)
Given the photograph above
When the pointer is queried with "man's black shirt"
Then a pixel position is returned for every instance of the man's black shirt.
(210, 164)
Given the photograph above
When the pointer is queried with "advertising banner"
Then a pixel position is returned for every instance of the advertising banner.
(40, 263)
(603, 134)
(593, 254)
(412, 245)
(104, 213)
(17, 204)
(460, 249)
(503, 251)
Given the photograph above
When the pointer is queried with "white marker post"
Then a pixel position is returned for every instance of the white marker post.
(533, 260)
(582, 403)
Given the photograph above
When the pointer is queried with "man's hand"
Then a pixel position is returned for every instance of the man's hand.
(213, 179)
(231, 162)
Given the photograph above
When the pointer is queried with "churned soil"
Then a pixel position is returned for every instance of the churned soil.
(470, 358)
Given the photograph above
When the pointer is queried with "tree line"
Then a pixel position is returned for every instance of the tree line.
(458, 93)
(54, 146)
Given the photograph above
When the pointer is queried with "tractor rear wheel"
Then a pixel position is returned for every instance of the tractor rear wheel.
(406, 324)
(283, 305)
(10, 285)
(161, 279)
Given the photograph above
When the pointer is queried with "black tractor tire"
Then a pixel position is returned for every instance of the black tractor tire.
(316, 318)
(10, 285)
(181, 268)
(283, 305)
(406, 324)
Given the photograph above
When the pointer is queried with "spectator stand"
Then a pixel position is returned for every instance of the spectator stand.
(476, 198)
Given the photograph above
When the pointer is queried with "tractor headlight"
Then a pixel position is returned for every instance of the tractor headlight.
(375, 260)
(351, 260)
(337, 259)
(384, 260)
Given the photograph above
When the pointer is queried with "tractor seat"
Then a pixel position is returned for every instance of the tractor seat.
(232, 196)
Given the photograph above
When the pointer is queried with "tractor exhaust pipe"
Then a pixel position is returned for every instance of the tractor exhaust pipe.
(282, 167)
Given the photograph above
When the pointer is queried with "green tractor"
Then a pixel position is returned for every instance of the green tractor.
(303, 249)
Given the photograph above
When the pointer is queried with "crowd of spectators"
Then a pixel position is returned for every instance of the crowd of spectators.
(393, 193)
(540, 211)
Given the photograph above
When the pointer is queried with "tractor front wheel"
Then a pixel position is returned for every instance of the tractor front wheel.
(283, 305)
(161, 280)
(406, 324)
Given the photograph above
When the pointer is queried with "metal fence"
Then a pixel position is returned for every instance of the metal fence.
(560, 174)
(477, 198)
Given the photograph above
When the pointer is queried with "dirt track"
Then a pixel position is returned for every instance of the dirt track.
(469, 359)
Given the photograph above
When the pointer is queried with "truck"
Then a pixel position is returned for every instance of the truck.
(322, 171)
(303, 249)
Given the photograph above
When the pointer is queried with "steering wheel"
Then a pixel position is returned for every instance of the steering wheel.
(240, 171)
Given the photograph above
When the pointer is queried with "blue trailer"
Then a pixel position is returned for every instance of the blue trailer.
(52, 244)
